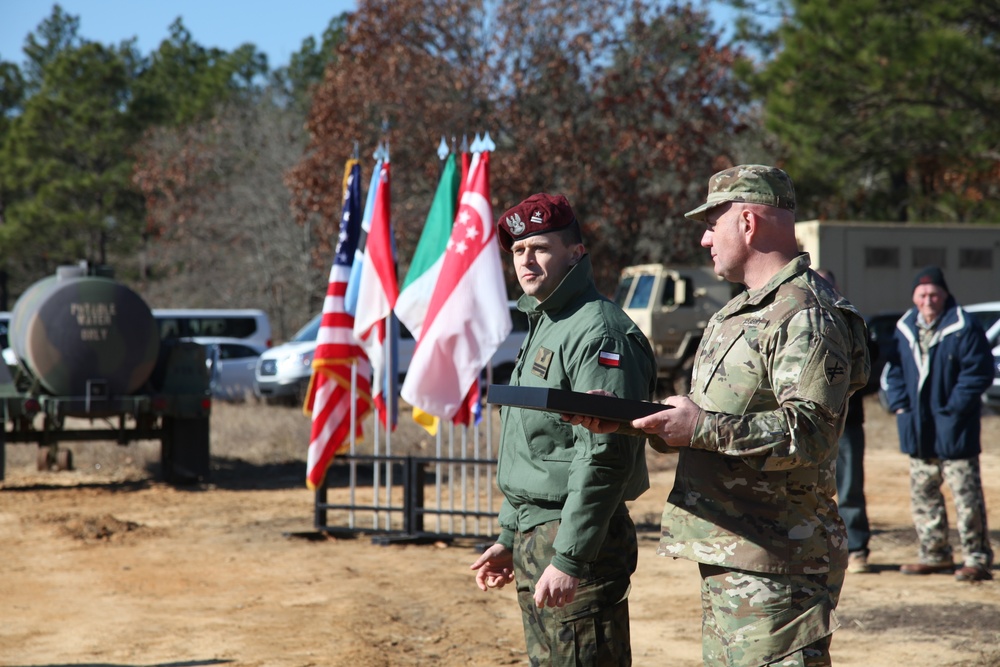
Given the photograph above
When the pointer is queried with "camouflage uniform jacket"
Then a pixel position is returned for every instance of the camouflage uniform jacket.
(773, 374)
(549, 470)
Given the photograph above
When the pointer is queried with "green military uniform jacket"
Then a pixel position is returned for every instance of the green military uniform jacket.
(755, 489)
(549, 470)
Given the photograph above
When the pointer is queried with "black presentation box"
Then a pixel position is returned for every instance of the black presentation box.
(565, 401)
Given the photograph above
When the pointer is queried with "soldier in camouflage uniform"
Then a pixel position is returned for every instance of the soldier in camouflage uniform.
(753, 497)
(566, 535)
(939, 366)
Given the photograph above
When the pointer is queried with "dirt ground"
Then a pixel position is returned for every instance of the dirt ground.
(106, 567)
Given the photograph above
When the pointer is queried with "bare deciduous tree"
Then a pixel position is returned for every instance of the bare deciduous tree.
(625, 106)
(220, 220)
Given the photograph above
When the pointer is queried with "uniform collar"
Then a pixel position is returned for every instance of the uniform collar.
(579, 279)
(797, 266)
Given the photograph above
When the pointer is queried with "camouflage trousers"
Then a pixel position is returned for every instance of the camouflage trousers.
(751, 619)
(592, 630)
(930, 517)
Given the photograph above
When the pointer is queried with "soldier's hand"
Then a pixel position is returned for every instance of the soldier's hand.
(675, 427)
(495, 568)
(592, 424)
(555, 588)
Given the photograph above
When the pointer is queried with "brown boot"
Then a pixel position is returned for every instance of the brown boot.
(927, 568)
(973, 573)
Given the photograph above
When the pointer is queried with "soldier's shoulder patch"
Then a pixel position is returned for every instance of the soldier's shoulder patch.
(611, 359)
(834, 369)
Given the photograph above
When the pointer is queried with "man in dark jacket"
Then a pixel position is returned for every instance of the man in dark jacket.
(936, 374)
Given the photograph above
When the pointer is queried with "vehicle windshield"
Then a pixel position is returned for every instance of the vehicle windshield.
(309, 332)
(621, 293)
(643, 290)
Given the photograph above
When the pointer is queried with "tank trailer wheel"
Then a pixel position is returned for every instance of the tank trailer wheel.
(45, 460)
(64, 460)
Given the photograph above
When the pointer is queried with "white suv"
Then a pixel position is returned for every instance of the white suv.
(283, 371)
(988, 315)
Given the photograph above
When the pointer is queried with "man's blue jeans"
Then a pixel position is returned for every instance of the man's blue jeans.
(851, 486)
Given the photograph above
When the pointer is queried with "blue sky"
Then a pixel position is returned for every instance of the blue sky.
(277, 27)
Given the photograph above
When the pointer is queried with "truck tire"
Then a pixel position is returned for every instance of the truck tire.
(184, 451)
(44, 459)
(64, 459)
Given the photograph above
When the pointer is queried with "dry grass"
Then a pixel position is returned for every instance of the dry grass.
(252, 433)
(259, 434)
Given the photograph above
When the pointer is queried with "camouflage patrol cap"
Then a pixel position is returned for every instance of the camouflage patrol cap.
(748, 183)
(538, 214)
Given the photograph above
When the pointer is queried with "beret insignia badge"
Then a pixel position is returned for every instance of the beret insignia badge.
(515, 224)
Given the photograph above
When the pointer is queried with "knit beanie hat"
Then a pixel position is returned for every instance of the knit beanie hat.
(930, 275)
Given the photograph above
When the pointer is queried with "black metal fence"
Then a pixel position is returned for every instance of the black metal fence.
(410, 498)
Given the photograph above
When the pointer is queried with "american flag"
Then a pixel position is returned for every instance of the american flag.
(328, 399)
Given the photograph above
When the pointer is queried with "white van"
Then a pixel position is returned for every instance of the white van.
(247, 325)
(284, 370)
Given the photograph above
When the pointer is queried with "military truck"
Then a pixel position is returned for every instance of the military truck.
(874, 263)
(90, 365)
(672, 306)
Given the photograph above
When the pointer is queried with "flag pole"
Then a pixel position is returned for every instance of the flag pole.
(354, 423)
(389, 389)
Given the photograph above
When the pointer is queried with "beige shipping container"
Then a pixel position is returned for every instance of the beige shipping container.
(874, 263)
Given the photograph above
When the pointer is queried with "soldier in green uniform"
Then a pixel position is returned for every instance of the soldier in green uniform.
(566, 537)
(753, 497)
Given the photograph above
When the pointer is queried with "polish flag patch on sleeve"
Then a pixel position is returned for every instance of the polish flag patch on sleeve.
(612, 359)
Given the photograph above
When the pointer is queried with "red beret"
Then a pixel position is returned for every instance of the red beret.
(537, 214)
